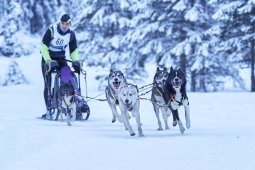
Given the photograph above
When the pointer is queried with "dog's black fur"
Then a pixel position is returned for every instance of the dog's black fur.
(175, 78)
(66, 89)
(175, 95)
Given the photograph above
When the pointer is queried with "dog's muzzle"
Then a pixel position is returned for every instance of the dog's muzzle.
(177, 82)
(116, 84)
(128, 104)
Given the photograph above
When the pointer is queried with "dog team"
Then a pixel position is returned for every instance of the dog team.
(168, 94)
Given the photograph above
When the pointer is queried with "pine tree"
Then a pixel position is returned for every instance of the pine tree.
(235, 31)
(14, 75)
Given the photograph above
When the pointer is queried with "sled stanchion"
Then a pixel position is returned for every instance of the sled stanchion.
(79, 81)
(85, 79)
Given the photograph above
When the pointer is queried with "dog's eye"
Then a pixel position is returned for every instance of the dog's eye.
(124, 94)
(130, 94)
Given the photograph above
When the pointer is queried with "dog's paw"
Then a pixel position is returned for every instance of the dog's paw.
(188, 125)
(141, 135)
(174, 123)
(113, 120)
(182, 130)
(132, 134)
(160, 128)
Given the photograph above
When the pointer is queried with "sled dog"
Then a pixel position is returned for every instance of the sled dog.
(116, 79)
(68, 105)
(67, 98)
(175, 96)
(157, 98)
(129, 102)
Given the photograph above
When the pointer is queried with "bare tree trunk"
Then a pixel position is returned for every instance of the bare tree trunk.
(183, 63)
(252, 66)
(203, 77)
(193, 81)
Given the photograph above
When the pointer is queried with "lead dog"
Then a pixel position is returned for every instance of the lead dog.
(175, 96)
(116, 79)
(157, 99)
(129, 101)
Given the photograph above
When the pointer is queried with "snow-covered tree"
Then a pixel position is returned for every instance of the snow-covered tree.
(235, 37)
(104, 29)
(10, 25)
(14, 75)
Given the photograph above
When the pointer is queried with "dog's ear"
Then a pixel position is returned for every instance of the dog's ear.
(165, 69)
(136, 88)
(111, 70)
(171, 69)
(157, 69)
(180, 71)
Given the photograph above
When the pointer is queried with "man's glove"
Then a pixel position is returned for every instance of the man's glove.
(51, 66)
(76, 66)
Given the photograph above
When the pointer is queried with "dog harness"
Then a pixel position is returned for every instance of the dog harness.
(71, 101)
(172, 99)
(113, 97)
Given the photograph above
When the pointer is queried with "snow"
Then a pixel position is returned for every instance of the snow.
(222, 135)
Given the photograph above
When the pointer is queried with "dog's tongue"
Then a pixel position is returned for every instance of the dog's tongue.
(116, 84)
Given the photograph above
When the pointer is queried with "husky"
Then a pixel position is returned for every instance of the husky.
(129, 102)
(68, 104)
(175, 96)
(157, 96)
(116, 79)
(67, 97)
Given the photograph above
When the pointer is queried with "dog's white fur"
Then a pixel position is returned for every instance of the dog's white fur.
(129, 101)
(112, 92)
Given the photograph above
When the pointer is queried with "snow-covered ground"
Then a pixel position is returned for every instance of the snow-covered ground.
(222, 135)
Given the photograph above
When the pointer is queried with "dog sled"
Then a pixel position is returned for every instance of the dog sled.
(63, 99)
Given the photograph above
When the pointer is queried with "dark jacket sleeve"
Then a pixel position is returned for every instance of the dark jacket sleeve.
(73, 42)
(44, 49)
(47, 37)
(73, 47)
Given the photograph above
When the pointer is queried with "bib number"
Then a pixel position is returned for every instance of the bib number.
(59, 41)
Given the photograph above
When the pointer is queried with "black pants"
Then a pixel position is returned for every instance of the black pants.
(47, 78)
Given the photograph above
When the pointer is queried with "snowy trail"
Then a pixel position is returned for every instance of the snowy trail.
(222, 136)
